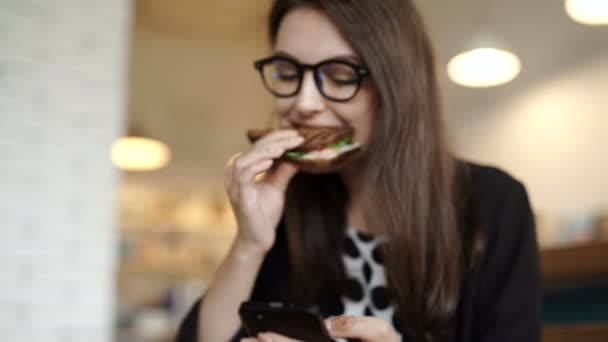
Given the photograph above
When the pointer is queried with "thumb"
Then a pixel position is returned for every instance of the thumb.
(365, 328)
(281, 175)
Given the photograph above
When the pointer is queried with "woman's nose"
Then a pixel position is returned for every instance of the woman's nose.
(309, 100)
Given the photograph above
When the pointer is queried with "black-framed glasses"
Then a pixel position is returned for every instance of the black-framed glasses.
(336, 79)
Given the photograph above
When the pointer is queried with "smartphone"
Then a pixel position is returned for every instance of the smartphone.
(296, 321)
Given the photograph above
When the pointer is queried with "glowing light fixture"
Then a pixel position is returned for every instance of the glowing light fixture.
(139, 153)
(589, 12)
(484, 67)
(485, 59)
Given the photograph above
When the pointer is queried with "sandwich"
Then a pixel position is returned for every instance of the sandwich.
(324, 149)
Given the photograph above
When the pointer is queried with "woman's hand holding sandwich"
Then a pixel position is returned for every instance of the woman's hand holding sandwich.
(258, 202)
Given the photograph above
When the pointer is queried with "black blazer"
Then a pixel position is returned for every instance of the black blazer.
(500, 298)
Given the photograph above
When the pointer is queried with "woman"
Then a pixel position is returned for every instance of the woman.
(404, 243)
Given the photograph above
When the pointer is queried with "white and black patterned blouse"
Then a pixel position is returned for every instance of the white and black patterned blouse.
(368, 293)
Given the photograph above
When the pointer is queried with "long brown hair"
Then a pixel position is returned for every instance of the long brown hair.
(409, 188)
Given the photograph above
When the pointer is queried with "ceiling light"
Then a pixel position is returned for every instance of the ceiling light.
(484, 67)
(134, 153)
(589, 12)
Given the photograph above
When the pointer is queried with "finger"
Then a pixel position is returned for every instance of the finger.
(249, 339)
(272, 149)
(242, 161)
(256, 154)
(273, 337)
(229, 169)
(243, 170)
(365, 328)
(281, 176)
(248, 175)
(269, 152)
(232, 158)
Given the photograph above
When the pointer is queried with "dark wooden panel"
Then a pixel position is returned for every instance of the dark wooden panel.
(576, 333)
(585, 262)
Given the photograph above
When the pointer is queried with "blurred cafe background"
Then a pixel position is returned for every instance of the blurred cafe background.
(117, 118)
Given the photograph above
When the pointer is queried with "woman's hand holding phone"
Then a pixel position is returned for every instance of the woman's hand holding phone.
(364, 328)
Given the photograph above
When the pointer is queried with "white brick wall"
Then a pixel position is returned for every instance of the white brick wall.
(62, 100)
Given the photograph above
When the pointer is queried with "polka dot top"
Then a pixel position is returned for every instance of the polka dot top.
(365, 266)
(368, 293)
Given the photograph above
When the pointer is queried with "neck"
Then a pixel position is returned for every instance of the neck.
(353, 183)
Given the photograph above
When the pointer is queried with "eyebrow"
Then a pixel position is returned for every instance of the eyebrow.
(348, 58)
